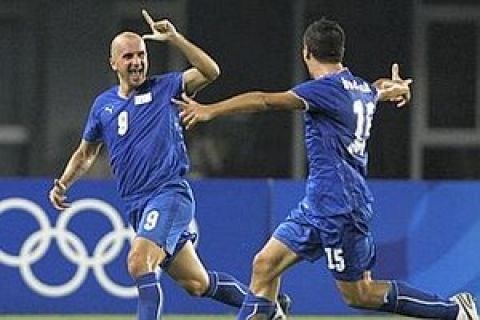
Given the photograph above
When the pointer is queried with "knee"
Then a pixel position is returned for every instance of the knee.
(195, 287)
(357, 299)
(136, 263)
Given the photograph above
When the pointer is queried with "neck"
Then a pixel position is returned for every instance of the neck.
(124, 90)
(319, 69)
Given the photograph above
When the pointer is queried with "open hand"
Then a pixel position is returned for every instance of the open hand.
(192, 112)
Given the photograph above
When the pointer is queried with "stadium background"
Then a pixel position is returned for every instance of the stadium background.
(54, 61)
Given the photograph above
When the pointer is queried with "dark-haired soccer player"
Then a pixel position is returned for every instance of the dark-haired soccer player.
(139, 124)
(332, 220)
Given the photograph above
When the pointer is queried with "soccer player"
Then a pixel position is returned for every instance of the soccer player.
(332, 220)
(139, 124)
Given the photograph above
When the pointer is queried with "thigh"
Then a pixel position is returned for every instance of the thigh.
(301, 237)
(166, 217)
(278, 255)
(186, 266)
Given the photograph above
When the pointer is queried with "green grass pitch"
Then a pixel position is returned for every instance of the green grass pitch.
(176, 317)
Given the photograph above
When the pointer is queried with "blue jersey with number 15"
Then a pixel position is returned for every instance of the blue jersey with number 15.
(338, 119)
(142, 134)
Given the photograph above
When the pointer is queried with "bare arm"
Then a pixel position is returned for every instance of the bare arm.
(205, 69)
(192, 112)
(79, 163)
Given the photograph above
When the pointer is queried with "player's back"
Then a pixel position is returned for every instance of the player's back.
(339, 112)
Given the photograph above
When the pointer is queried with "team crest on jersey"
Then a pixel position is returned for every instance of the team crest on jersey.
(143, 98)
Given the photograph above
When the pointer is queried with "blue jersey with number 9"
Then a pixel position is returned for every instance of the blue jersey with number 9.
(143, 136)
(338, 119)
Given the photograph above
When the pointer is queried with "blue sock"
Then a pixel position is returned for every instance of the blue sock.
(226, 289)
(149, 297)
(254, 305)
(408, 301)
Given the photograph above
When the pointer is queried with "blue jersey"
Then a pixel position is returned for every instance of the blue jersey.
(338, 118)
(142, 134)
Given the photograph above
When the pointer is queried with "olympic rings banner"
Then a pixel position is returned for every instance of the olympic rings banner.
(427, 233)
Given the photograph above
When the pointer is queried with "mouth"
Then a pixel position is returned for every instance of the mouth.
(136, 74)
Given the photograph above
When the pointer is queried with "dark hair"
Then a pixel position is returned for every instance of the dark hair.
(325, 40)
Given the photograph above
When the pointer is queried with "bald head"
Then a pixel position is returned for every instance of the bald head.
(128, 59)
(121, 40)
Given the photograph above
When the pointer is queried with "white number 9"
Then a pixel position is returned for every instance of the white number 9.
(122, 123)
(151, 220)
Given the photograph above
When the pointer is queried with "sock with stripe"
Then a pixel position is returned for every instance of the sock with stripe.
(259, 307)
(408, 301)
(226, 289)
(149, 297)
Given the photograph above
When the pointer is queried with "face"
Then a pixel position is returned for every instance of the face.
(129, 60)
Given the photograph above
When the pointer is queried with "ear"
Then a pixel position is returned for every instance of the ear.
(307, 55)
(112, 64)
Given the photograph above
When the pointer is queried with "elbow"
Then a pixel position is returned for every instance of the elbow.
(213, 73)
(264, 102)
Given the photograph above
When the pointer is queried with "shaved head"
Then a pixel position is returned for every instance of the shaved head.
(128, 59)
(119, 41)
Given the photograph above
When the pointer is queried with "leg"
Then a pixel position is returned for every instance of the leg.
(160, 226)
(396, 297)
(355, 255)
(272, 260)
(143, 258)
(268, 265)
(188, 271)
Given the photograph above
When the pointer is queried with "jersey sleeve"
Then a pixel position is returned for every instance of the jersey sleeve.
(92, 131)
(375, 92)
(318, 95)
(173, 81)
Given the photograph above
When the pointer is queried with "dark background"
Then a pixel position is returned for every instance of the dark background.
(54, 61)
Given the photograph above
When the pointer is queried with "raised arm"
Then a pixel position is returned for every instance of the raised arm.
(192, 112)
(205, 69)
(79, 163)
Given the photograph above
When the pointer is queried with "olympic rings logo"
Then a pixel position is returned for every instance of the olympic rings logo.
(71, 246)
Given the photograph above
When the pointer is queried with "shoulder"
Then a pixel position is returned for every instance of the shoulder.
(315, 87)
(353, 82)
(166, 78)
(104, 98)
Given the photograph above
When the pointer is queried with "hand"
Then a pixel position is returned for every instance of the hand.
(57, 195)
(162, 30)
(390, 88)
(404, 98)
(192, 112)
(396, 91)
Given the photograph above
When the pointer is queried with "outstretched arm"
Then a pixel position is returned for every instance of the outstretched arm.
(192, 112)
(79, 163)
(205, 69)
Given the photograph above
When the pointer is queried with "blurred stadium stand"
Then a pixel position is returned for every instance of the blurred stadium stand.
(55, 60)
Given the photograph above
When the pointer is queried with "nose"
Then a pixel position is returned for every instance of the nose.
(137, 60)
